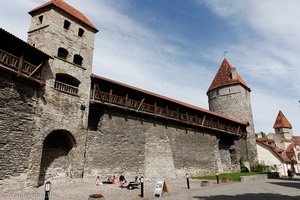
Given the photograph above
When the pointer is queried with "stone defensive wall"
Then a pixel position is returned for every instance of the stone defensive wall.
(48, 134)
(137, 132)
(21, 81)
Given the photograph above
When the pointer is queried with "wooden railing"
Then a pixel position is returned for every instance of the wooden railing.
(70, 89)
(114, 100)
(20, 66)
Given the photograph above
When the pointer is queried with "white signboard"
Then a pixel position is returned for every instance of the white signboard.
(160, 188)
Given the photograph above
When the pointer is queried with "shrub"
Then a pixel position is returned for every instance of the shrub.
(260, 168)
(243, 168)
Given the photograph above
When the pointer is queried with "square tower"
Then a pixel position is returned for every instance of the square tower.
(64, 33)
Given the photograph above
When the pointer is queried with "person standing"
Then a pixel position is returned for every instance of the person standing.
(98, 180)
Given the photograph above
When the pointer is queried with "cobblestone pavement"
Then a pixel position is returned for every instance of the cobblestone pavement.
(258, 190)
(81, 191)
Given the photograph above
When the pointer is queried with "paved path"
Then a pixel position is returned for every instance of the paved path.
(251, 190)
(273, 189)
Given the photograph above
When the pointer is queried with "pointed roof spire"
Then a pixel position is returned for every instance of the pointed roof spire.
(281, 121)
(227, 75)
(68, 9)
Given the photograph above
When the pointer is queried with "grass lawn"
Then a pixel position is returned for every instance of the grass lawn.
(229, 176)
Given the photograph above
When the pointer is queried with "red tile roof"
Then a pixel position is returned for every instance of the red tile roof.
(224, 77)
(168, 99)
(68, 9)
(270, 144)
(296, 140)
(265, 139)
(281, 121)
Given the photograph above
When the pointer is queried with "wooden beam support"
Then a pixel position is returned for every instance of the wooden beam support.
(187, 117)
(94, 90)
(203, 120)
(21, 62)
(126, 101)
(140, 104)
(110, 96)
(35, 69)
(238, 130)
(167, 111)
(97, 89)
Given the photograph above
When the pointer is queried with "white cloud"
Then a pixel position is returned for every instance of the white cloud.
(267, 107)
(266, 53)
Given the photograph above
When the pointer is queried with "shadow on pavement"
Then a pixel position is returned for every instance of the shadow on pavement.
(287, 184)
(259, 196)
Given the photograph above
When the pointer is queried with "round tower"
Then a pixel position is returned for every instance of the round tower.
(65, 34)
(229, 95)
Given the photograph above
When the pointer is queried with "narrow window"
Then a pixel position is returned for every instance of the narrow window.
(62, 53)
(41, 19)
(67, 24)
(80, 32)
(77, 59)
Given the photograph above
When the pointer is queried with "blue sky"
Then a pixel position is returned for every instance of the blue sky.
(174, 47)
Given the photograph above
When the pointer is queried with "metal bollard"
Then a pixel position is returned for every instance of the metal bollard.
(142, 186)
(187, 180)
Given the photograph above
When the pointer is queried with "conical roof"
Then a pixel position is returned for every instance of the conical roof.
(281, 121)
(68, 9)
(224, 77)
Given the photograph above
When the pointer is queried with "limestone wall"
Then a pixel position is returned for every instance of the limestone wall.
(17, 114)
(234, 102)
(138, 145)
(59, 111)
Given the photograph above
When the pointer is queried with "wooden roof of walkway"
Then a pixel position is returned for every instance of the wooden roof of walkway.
(116, 94)
(21, 59)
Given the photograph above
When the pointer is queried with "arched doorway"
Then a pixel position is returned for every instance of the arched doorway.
(56, 156)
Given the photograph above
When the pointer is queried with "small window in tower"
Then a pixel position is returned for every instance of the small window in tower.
(217, 92)
(67, 24)
(77, 59)
(41, 18)
(62, 53)
(80, 32)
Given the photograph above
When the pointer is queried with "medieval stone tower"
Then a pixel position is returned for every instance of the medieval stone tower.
(67, 35)
(229, 95)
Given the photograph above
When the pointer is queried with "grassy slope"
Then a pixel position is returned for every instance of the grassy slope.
(230, 176)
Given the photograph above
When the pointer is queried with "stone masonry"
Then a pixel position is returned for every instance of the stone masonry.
(48, 133)
(59, 111)
(234, 101)
(17, 124)
(137, 145)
